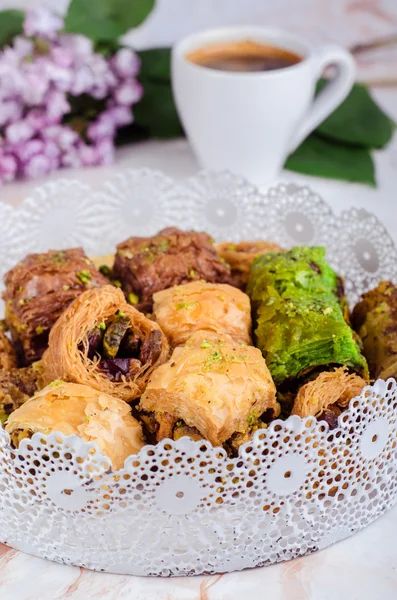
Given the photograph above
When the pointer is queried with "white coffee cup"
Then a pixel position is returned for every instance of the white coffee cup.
(249, 122)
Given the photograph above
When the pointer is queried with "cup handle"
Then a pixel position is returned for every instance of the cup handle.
(332, 94)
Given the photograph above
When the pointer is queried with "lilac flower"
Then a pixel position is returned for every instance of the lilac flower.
(38, 86)
(126, 62)
(38, 119)
(34, 88)
(129, 93)
(28, 149)
(87, 154)
(79, 45)
(105, 151)
(121, 115)
(20, 131)
(51, 149)
(71, 159)
(10, 111)
(8, 167)
(63, 57)
(38, 166)
(57, 105)
(82, 80)
(23, 47)
(104, 126)
(40, 22)
(59, 76)
(62, 135)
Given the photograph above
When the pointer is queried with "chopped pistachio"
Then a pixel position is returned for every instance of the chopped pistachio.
(102, 326)
(84, 276)
(132, 298)
(252, 418)
(205, 344)
(105, 270)
(39, 329)
(56, 382)
(120, 313)
(116, 283)
(66, 288)
(186, 305)
(192, 273)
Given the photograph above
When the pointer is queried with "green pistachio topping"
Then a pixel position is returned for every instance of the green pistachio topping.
(84, 276)
(132, 298)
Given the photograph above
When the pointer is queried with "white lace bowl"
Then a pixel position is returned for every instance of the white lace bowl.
(184, 508)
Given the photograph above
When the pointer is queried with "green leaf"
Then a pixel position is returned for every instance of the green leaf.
(105, 20)
(156, 111)
(358, 120)
(326, 158)
(156, 114)
(156, 64)
(11, 24)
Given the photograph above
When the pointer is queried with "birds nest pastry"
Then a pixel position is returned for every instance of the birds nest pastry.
(327, 395)
(71, 408)
(375, 320)
(102, 341)
(213, 384)
(184, 309)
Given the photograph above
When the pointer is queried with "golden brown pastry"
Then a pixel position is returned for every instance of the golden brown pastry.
(38, 289)
(214, 384)
(8, 358)
(375, 320)
(240, 256)
(102, 341)
(330, 390)
(71, 408)
(145, 265)
(218, 307)
(17, 386)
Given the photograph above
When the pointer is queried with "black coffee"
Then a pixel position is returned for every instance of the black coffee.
(243, 57)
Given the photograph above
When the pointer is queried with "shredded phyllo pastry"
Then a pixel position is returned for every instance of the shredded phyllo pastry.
(240, 257)
(300, 315)
(102, 341)
(329, 388)
(212, 384)
(375, 320)
(78, 409)
(184, 309)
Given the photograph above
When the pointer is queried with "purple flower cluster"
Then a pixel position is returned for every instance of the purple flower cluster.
(60, 102)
